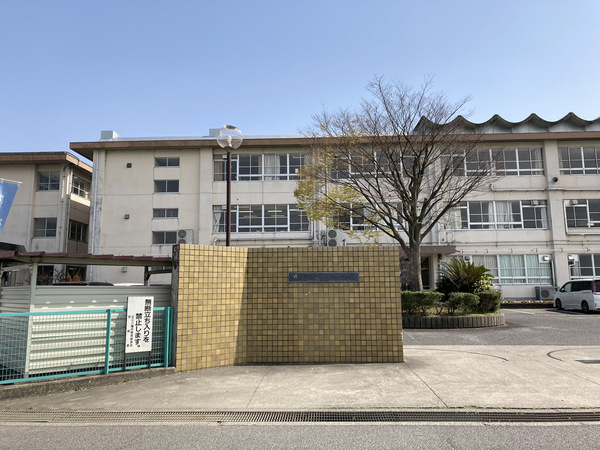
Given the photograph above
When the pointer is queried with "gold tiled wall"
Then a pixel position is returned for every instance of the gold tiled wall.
(211, 294)
(336, 322)
(236, 306)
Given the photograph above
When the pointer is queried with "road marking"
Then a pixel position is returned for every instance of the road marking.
(523, 312)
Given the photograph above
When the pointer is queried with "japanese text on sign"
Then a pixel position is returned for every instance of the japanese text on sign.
(138, 337)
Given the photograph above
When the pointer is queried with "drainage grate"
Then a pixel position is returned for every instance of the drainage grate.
(298, 416)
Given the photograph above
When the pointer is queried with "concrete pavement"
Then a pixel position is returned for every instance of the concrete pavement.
(440, 377)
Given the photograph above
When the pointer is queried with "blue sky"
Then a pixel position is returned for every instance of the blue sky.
(70, 69)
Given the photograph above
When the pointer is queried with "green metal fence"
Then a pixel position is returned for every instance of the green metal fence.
(42, 345)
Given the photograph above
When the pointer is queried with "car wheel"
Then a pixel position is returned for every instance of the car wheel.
(558, 305)
(585, 307)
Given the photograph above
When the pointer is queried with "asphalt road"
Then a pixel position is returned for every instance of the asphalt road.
(300, 436)
(523, 327)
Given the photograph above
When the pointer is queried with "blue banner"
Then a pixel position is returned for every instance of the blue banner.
(8, 190)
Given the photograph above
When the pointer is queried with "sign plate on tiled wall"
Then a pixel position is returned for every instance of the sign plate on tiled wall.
(323, 277)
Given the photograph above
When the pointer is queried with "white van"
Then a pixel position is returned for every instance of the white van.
(579, 294)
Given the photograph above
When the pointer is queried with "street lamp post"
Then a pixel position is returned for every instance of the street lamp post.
(229, 137)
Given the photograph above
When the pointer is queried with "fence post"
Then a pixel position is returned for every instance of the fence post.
(168, 340)
(107, 347)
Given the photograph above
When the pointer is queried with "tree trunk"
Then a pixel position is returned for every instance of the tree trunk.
(414, 267)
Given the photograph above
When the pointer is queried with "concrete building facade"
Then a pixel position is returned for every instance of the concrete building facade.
(51, 210)
(536, 225)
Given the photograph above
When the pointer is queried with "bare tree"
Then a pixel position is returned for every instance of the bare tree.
(397, 164)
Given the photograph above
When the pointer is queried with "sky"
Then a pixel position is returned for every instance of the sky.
(146, 68)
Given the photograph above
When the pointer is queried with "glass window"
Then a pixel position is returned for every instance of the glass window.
(78, 231)
(259, 167)
(579, 160)
(166, 162)
(250, 167)
(261, 219)
(589, 266)
(80, 187)
(516, 269)
(166, 186)
(506, 161)
(535, 214)
(500, 215)
(163, 213)
(298, 219)
(44, 227)
(164, 237)
(582, 213)
(48, 181)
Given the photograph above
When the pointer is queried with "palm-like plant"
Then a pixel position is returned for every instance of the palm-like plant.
(461, 276)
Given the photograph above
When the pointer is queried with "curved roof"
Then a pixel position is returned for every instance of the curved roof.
(532, 124)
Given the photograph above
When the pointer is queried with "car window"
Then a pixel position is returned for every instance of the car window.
(579, 286)
(568, 287)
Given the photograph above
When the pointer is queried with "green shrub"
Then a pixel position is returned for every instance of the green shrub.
(465, 301)
(489, 301)
(485, 283)
(463, 276)
(421, 301)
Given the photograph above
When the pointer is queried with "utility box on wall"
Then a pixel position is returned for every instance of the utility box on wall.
(287, 305)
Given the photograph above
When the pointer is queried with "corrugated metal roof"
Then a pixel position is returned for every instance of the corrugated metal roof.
(85, 259)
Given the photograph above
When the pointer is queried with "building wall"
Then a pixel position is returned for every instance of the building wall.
(122, 190)
(237, 306)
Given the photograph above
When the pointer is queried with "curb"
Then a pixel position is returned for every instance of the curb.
(533, 305)
(426, 322)
(33, 388)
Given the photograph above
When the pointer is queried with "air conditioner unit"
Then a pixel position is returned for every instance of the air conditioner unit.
(335, 238)
(185, 236)
(544, 292)
(544, 258)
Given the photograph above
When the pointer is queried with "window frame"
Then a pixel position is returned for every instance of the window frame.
(169, 161)
(168, 184)
(496, 159)
(264, 218)
(156, 213)
(80, 187)
(78, 231)
(52, 183)
(505, 271)
(567, 157)
(259, 167)
(47, 230)
(521, 216)
(165, 237)
(592, 217)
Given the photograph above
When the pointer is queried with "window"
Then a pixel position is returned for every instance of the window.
(164, 237)
(582, 213)
(80, 187)
(48, 181)
(586, 266)
(78, 231)
(498, 215)
(579, 160)
(44, 227)
(516, 269)
(350, 220)
(263, 167)
(166, 162)
(261, 219)
(506, 161)
(165, 213)
(166, 186)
